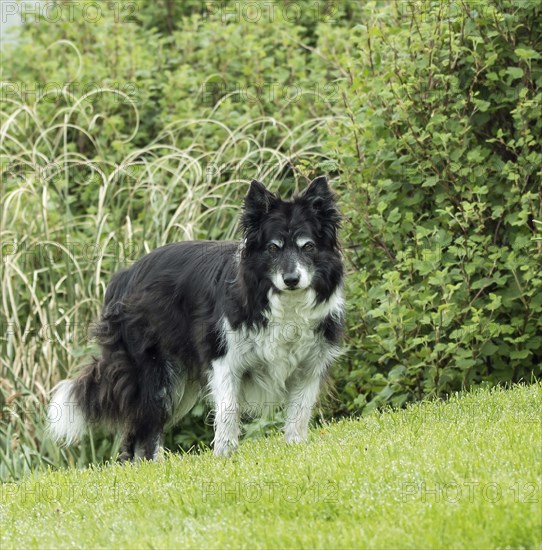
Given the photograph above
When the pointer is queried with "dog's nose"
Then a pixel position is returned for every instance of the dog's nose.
(291, 279)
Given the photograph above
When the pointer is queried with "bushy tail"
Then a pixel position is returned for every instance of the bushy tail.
(104, 391)
(72, 408)
(66, 421)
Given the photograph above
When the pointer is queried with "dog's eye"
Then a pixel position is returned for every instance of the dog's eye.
(272, 248)
(308, 247)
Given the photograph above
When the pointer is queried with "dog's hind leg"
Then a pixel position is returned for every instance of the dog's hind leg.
(127, 447)
(148, 413)
(149, 446)
(143, 439)
(139, 445)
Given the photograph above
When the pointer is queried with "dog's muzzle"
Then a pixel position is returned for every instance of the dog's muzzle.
(291, 280)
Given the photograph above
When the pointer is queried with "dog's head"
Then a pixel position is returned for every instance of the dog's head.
(293, 244)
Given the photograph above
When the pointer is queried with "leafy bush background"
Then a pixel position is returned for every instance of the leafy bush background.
(146, 127)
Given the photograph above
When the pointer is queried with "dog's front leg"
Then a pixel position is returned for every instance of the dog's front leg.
(302, 395)
(225, 386)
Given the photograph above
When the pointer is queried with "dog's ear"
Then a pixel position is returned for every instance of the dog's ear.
(258, 197)
(321, 199)
(257, 203)
(318, 192)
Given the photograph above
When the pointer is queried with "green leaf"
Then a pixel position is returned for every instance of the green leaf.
(515, 72)
(520, 354)
(527, 53)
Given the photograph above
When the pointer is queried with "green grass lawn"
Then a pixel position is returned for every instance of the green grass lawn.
(461, 474)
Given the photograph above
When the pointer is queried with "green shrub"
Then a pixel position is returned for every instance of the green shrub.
(439, 154)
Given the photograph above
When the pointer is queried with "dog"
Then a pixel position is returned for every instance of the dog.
(247, 324)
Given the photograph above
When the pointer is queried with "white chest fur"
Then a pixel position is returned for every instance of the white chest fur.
(289, 345)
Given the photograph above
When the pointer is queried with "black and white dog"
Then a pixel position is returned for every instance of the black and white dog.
(249, 324)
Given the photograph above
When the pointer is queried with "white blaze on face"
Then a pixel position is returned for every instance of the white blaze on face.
(305, 279)
(305, 276)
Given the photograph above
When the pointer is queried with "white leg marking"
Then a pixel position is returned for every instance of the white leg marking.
(225, 387)
(301, 399)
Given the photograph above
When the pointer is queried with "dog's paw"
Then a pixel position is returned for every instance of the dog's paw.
(294, 438)
(225, 448)
(125, 457)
